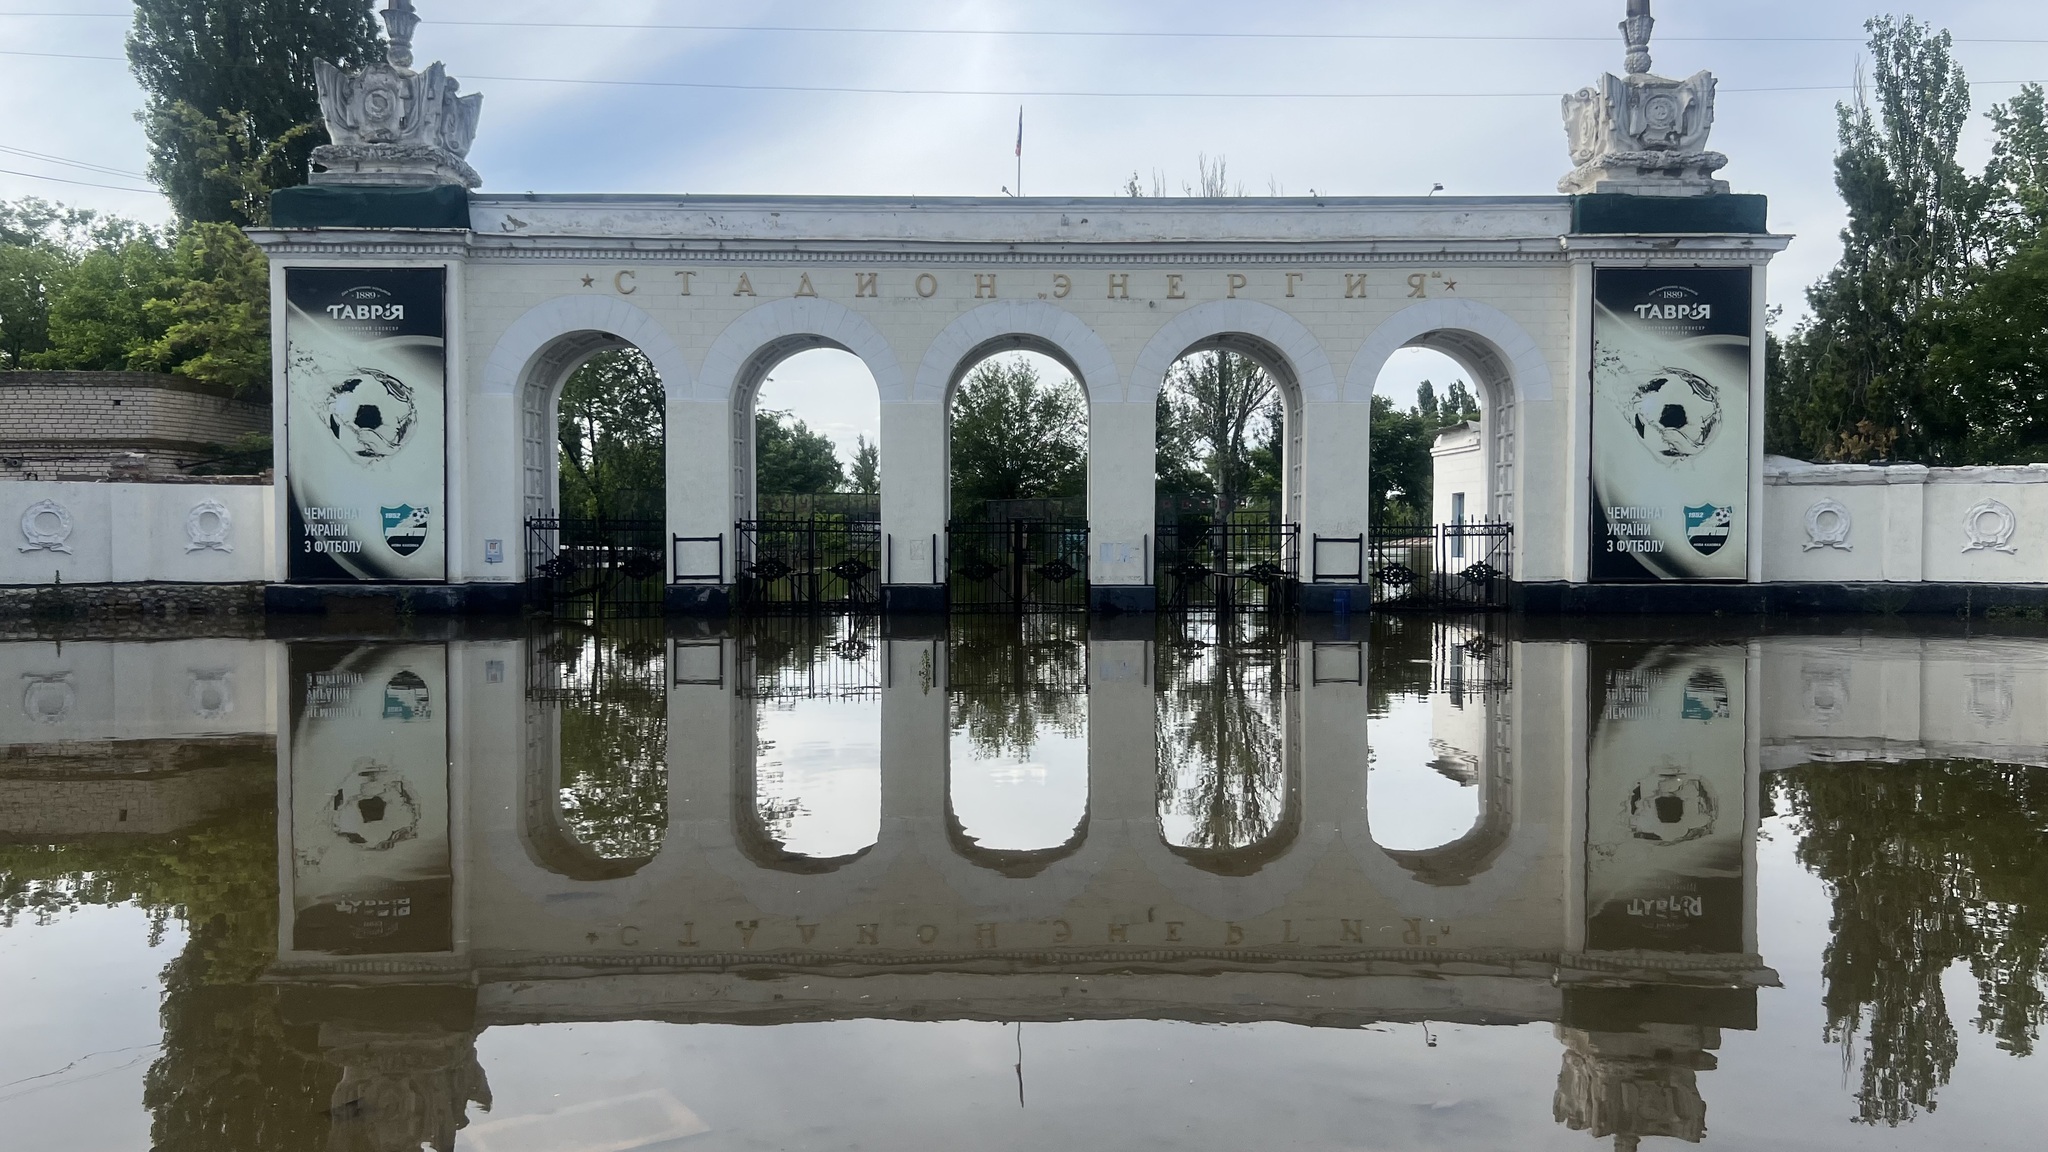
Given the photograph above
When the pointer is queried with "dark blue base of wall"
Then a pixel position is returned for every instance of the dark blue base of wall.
(697, 599)
(913, 599)
(394, 599)
(1118, 598)
(1972, 600)
(1334, 599)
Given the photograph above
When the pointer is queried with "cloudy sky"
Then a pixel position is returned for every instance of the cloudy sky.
(1348, 97)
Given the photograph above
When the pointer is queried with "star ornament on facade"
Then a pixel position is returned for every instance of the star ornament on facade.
(589, 280)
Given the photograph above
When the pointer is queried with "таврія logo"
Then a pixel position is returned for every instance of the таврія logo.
(1707, 527)
(405, 528)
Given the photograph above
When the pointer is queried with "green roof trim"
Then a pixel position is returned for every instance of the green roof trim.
(331, 206)
(1607, 214)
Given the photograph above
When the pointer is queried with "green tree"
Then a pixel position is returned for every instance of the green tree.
(1400, 472)
(866, 475)
(239, 74)
(1990, 360)
(1016, 437)
(99, 319)
(213, 309)
(29, 276)
(1852, 380)
(610, 422)
(1211, 409)
(792, 460)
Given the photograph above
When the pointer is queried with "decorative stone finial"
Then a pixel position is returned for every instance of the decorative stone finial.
(392, 126)
(400, 21)
(1642, 134)
(1636, 29)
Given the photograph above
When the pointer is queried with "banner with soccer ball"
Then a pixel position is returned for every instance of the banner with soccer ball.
(366, 451)
(1671, 406)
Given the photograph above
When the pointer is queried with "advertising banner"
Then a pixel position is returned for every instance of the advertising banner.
(1667, 776)
(372, 872)
(366, 424)
(1671, 404)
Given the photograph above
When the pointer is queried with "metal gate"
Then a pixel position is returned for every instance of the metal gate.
(595, 567)
(1237, 566)
(1017, 566)
(816, 563)
(1466, 565)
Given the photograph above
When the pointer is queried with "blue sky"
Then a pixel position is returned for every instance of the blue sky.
(613, 138)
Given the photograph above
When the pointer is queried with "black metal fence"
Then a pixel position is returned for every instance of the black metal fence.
(1467, 565)
(817, 563)
(1244, 565)
(595, 567)
(1017, 566)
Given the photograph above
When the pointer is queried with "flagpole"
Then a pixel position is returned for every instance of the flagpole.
(1020, 151)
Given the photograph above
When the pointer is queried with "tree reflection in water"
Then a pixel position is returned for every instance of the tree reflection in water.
(612, 686)
(1926, 864)
(1221, 721)
(1014, 680)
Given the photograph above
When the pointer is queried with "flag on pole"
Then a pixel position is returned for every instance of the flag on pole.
(1020, 132)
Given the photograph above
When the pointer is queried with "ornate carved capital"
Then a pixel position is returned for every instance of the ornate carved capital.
(1643, 134)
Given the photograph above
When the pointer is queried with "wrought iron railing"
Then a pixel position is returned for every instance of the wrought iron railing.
(817, 563)
(1246, 564)
(605, 567)
(1467, 565)
(1017, 566)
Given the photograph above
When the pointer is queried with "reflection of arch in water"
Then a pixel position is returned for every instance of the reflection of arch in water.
(1245, 881)
(788, 659)
(1039, 671)
(1469, 874)
(545, 828)
(1280, 671)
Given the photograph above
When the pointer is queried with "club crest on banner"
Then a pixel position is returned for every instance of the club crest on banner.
(1707, 527)
(405, 528)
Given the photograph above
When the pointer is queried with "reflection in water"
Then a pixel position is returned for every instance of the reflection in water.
(1927, 865)
(612, 689)
(1018, 761)
(1222, 715)
(1597, 955)
(816, 779)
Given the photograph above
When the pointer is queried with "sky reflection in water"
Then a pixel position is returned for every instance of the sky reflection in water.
(811, 886)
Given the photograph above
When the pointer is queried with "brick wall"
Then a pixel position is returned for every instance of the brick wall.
(95, 425)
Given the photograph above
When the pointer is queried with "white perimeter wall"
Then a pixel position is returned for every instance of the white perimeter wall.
(1906, 523)
(132, 533)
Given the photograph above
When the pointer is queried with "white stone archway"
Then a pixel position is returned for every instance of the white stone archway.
(1287, 349)
(1504, 361)
(535, 357)
(749, 348)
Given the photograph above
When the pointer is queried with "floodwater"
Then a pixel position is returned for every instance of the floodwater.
(1018, 885)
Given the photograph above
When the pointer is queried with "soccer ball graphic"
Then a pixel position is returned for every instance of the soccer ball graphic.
(371, 413)
(1676, 413)
(373, 809)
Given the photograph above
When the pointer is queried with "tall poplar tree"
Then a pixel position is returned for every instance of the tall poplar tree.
(232, 100)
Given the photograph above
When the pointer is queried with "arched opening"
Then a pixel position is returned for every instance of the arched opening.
(1441, 474)
(808, 495)
(809, 787)
(1227, 488)
(1017, 473)
(594, 473)
(1228, 793)
(1437, 792)
(595, 793)
(1017, 761)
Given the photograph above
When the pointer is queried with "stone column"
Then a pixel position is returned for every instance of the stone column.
(915, 496)
(1336, 505)
(1123, 749)
(703, 564)
(1122, 440)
